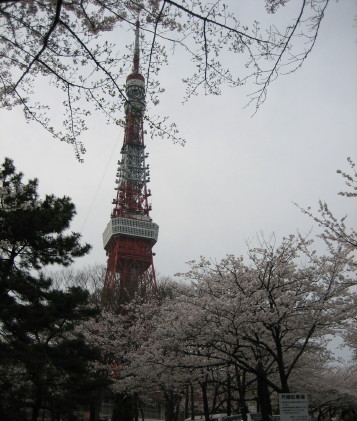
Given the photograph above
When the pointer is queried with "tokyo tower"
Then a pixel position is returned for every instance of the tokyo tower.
(131, 234)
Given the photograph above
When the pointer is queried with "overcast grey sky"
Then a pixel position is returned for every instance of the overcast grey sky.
(237, 174)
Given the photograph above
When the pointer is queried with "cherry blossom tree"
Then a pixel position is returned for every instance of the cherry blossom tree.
(258, 322)
(331, 387)
(350, 334)
(237, 325)
(147, 368)
(73, 46)
(128, 357)
(337, 230)
(265, 316)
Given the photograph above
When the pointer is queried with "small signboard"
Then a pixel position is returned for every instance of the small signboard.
(293, 407)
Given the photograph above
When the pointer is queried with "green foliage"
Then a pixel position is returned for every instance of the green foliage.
(33, 230)
(45, 361)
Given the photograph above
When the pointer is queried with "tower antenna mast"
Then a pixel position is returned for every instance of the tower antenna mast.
(136, 63)
(131, 234)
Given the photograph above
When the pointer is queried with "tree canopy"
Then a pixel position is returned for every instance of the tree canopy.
(243, 329)
(74, 47)
(44, 361)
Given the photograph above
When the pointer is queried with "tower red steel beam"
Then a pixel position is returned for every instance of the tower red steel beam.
(131, 234)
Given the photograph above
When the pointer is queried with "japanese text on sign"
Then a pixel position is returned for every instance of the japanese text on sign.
(293, 407)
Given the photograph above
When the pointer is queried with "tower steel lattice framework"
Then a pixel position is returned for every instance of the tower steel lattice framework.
(131, 234)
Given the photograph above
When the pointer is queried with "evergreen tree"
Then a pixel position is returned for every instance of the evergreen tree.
(44, 362)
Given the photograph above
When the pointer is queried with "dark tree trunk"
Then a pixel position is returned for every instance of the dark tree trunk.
(36, 408)
(229, 395)
(205, 400)
(169, 406)
(241, 386)
(187, 398)
(280, 361)
(123, 408)
(136, 409)
(141, 410)
(263, 393)
(192, 402)
(92, 412)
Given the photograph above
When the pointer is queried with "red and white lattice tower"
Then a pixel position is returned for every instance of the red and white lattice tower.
(130, 234)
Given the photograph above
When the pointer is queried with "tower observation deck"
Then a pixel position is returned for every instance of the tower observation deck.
(131, 234)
